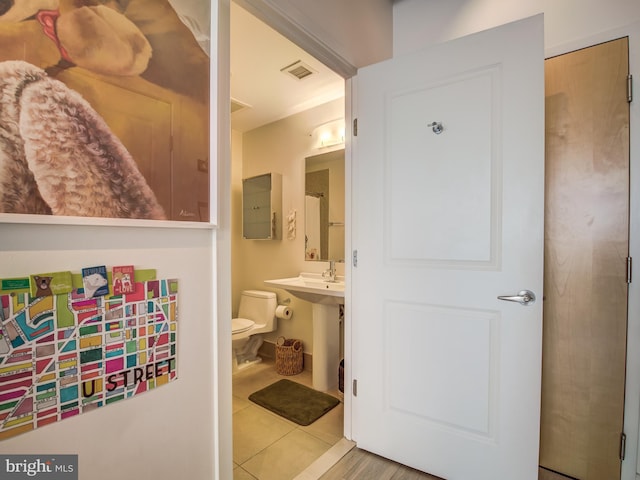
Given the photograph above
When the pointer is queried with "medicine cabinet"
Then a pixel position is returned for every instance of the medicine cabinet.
(262, 207)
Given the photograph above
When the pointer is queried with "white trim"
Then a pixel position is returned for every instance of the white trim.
(632, 389)
(99, 221)
(220, 146)
(630, 465)
(348, 262)
(280, 21)
(591, 40)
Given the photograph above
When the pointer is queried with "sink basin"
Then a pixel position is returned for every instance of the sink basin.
(325, 297)
(312, 287)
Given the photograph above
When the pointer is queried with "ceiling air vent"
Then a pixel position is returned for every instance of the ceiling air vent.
(298, 70)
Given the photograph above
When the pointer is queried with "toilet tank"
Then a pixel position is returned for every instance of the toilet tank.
(260, 307)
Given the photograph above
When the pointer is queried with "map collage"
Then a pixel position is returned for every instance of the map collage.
(63, 354)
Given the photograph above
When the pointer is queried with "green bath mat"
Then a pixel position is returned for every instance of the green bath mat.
(293, 401)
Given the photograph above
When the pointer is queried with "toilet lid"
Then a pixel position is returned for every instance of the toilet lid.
(239, 325)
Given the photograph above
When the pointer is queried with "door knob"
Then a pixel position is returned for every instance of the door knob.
(524, 297)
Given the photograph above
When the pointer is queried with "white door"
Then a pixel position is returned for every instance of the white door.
(446, 218)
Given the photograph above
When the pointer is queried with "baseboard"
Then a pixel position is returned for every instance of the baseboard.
(268, 350)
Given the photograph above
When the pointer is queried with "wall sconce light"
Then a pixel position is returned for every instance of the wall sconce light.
(328, 134)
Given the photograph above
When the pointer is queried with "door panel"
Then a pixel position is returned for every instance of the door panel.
(586, 245)
(438, 163)
(448, 376)
(463, 341)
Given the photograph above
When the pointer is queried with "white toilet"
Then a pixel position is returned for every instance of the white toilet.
(256, 314)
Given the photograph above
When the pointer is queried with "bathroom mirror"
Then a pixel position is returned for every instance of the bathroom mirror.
(324, 206)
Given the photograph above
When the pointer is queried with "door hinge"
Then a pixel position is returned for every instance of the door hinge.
(355, 258)
(355, 388)
(629, 88)
(623, 445)
(629, 269)
(355, 127)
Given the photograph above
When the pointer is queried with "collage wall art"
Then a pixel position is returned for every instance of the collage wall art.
(74, 342)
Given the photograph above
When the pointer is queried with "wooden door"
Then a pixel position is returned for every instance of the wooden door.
(586, 249)
(446, 218)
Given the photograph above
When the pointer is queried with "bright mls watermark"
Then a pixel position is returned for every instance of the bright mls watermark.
(52, 467)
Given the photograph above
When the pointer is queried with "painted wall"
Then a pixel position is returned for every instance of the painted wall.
(418, 23)
(344, 25)
(279, 147)
(160, 434)
(359, 31)
(237, 242)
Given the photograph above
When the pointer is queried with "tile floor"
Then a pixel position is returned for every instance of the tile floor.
(267, 446)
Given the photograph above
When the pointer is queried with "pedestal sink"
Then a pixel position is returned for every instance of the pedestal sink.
(325, 297)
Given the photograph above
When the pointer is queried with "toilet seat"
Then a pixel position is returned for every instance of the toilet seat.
(239, 325)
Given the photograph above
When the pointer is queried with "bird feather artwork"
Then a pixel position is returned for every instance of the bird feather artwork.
(57, 155)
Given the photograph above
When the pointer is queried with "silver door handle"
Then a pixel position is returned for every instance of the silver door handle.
(524, 297)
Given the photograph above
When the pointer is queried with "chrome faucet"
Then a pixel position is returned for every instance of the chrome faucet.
(330, 274)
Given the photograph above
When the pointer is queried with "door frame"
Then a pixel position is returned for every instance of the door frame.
(220, 188)
(285, 25)
(630, 464)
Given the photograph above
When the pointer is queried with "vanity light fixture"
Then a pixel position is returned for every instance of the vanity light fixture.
(328, 134)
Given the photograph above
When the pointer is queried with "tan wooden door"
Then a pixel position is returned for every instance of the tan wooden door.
(586, 247)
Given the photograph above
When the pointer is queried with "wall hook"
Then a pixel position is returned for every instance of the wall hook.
(436, 127)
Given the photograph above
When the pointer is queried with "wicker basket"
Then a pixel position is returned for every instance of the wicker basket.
(288, 356)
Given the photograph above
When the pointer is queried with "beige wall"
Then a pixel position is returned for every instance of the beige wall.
(159, 434)
(358, 31)
(419, 23)
(279, 147)
(237, 257)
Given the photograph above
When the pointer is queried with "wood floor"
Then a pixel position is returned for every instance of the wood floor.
(544, 474)
(359, 464)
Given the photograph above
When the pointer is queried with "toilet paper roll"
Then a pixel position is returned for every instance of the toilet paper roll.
(282, 311)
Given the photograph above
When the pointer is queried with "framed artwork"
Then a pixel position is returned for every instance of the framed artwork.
(104, 112)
